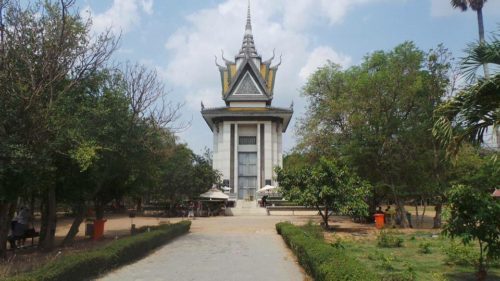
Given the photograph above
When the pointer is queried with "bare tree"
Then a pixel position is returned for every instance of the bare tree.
(148, 98)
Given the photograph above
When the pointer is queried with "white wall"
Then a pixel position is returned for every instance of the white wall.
(273, 143)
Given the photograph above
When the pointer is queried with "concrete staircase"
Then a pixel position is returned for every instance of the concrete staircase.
(246, 208)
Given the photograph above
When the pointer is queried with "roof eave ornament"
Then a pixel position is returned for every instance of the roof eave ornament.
(279, 63)
(218, 65)
(268, 62)
(226, 61)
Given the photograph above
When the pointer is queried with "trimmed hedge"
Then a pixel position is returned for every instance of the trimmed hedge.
(87, 265)
(322, 261)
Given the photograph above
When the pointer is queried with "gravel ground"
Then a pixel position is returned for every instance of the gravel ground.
(221, 248)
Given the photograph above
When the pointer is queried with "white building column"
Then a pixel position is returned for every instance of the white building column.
(215, 156)
(268, 151)
(225, 150)
(280, 145)
(275, 145)
(258, 157)
(235, 168)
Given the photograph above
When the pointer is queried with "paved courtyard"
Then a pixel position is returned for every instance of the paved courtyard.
(220, 248)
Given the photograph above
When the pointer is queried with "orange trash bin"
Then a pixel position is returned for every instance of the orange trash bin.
(379, 221)
(98, 229)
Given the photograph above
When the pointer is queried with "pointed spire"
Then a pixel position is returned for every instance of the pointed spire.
(248, 27)
(248, 45)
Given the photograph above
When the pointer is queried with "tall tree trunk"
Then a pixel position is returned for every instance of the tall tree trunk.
(32, 205)
(481, 271)
(416, 213)
(139, 205)
(7, 210)
(481, 38)
(99, 210)
(324, 216)
(79, 211)
(401, 213)
(437, 216)
(423, 212)
(50, 220)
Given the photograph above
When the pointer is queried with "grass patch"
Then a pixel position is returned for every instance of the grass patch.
(393, 256)
(86, 265)
(389, 239)
(423, 257)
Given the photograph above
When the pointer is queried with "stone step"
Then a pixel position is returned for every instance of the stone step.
(246, 208)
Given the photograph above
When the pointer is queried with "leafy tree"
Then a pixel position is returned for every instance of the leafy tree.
(72, 130)
(47, 52)
(327, 186)
(476, 109)
(377, 116)
(187, 175)
(477, 6)
(476, 167)
(474, 217)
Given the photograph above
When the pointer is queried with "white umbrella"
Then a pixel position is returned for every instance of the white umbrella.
(214, 193)
(267, 189)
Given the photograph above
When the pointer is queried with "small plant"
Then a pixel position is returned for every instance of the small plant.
(399, 276)
(460, 254)
(424, 248)
(389, 240)
(408, 274)
(338, 244)
(438, 276)
(387, 262)
(375, 255)
(313, 230)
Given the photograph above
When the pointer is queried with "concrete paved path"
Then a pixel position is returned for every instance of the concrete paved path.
(220, 248)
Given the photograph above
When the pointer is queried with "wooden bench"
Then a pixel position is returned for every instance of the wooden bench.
(29, 233)
(289, 208)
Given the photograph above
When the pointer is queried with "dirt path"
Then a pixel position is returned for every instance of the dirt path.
(221, 248)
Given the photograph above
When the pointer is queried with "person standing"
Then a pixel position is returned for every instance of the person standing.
(191, 210)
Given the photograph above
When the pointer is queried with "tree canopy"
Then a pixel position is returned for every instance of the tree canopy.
(326, 186)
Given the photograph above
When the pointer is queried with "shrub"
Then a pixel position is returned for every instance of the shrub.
(321, 260)
(424, 248)
(389, 240)
(313, 230)
(338, 244)
(85, 265)
(460, 254)
(408, 274)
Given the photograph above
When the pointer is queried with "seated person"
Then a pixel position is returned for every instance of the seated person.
(264, 200)
(19, 226)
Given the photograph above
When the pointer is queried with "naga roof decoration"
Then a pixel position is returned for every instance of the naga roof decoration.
(248, 78)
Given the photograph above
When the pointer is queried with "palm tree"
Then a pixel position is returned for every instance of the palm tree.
(477, 6)
(468, 115)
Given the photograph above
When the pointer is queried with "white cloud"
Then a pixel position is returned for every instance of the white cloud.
(318, 57)
(122, 16)
(147, 6)
(281, 24)
(442, 8)
(193, 46)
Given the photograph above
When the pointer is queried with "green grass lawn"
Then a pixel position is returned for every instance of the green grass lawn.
(423, 256)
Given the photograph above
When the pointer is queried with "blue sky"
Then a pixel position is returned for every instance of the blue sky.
(179, 38)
